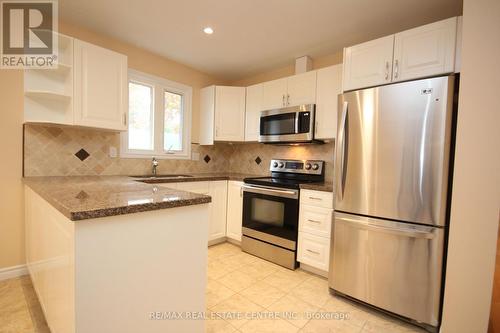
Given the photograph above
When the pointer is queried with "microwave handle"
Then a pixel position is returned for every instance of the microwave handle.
(297, 122)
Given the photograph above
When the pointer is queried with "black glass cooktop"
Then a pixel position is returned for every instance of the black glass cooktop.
(278, 182)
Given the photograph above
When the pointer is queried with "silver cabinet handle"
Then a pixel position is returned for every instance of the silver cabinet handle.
(125, 119)
(283, 100)
(314, 198)
(387, 70)
(314, 221)
(288, 99)
(396, 68)
(315, 252)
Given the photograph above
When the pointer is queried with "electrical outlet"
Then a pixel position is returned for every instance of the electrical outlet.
(113, 152)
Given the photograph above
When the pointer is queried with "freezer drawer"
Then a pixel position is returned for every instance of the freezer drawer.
(391, 265)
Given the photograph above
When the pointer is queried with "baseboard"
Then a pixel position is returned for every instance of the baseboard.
(217, 241)
(314, 270)
(12, 272)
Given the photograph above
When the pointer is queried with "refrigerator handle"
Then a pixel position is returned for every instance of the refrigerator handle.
(401, 230)
(342, 144)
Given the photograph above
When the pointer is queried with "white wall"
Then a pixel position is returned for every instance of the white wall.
(476, 191)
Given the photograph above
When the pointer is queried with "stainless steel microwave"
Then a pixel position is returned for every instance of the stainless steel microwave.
(288, 125)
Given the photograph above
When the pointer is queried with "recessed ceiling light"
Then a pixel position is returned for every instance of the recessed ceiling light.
(208, 30)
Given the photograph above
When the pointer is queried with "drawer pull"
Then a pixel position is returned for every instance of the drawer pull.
(314, 198)
(314, 252)
(313, 221)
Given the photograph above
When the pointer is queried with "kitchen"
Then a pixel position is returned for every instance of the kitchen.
(263, 165)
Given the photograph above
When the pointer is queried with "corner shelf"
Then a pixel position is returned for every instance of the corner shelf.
(46, 94)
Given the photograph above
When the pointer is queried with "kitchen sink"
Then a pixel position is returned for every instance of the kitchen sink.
(161, 176)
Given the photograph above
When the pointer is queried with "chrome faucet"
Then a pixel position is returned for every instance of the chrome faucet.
(154, 165)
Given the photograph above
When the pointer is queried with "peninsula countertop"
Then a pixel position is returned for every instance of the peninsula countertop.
(89, 197)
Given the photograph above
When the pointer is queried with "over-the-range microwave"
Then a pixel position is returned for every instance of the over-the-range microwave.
(288, 125)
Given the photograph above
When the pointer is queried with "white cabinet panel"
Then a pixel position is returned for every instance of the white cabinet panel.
(100, 87)
(218, 192)
(315, 220)
(316, 198)
(207, 115)
(252, 112)
(274, 94)
(425, 51)
(328, 87)
(368, 64)
(301, 89)
(313, 251)
(229, 113)
(234, 210)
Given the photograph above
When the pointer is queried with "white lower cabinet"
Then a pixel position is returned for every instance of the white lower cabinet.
(315, 224)
(217, 208)
(218, 192)
(234, 210)
(314, 251)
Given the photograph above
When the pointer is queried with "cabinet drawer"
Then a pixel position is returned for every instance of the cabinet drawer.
(315, 220)
(314, 251)
(316, 198)
(195, 187)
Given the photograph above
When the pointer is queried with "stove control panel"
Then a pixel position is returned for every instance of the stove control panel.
(314, 167)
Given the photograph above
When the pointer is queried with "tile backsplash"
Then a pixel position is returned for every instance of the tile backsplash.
(70, 151)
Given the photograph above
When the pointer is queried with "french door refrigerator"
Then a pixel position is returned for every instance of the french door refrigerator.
(392, 175)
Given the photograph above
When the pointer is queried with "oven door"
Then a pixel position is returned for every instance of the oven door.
(293, 124)
(271, 215)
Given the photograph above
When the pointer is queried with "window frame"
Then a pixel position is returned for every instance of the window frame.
(160, 86)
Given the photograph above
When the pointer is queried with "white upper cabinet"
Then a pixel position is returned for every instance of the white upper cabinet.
(425, 51)
(368, 64)
(274, 94)
(100, 88)
(290, 91)
(222, 114)
(329, 86)
(229, 113)
(301, 89)
(252, 112)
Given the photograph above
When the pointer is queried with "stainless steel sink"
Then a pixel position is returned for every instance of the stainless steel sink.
(161, 176)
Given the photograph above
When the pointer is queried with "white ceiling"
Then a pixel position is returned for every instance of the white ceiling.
(250, 36)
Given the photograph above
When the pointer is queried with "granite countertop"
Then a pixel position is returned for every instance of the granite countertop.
(89, 197)
(324, 187)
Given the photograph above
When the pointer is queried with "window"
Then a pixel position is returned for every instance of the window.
(159, 118)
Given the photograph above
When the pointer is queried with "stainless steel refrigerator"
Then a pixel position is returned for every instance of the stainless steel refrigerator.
(392, 175)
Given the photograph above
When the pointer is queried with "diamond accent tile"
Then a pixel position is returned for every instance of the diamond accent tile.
(258, 160)
(82, 154)
(206, 158)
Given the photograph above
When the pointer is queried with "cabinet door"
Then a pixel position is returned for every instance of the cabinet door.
(100, 87)
(234, 210)
(207, 115)
(425, 51)
(368, 64)
(252, 112)
(301, 89)
(218, 192)
(328, 87)
(229, 113)
(274, 94)
(313, 250)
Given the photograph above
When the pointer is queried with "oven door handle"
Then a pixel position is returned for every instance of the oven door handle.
(270, 191)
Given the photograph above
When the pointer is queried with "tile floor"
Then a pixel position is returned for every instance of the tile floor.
(20, 311)
(241, 286)
(244, 294)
